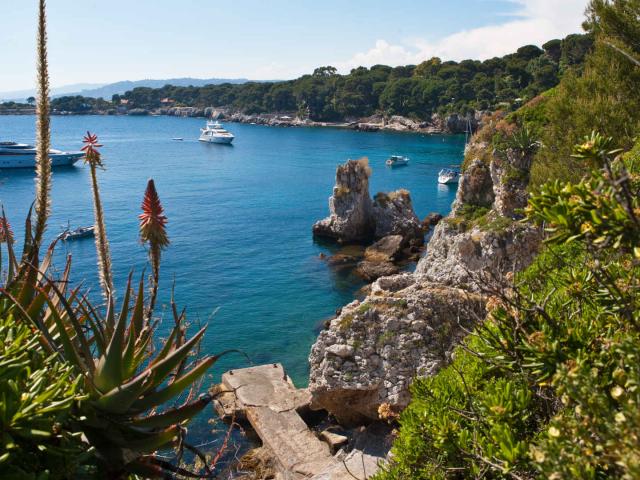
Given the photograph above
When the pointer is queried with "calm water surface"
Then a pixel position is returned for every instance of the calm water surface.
(239, 217)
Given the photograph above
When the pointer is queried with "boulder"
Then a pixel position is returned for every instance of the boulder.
(350, 206)
(403, 329)
(394, 215)
(386, 249)
(371, 271)
(431, 220)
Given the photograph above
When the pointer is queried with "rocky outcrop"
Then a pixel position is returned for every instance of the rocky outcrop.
(475, 187)
(463, 258)
(374, 349)
(350, 206)
(510, 177)
(394, 215)
(379, 258)
(354, 217)
(408, 324)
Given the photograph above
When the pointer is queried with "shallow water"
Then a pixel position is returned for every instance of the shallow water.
(240, 217)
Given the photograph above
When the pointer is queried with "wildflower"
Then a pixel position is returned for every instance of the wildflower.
(152, 219)
(90, 149)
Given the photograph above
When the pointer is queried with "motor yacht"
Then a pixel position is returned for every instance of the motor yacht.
(214, 132)
(448, 175)
(397, 161)
(22, 155)
(80, 232)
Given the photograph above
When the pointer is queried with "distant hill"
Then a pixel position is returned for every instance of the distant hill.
(106, 91)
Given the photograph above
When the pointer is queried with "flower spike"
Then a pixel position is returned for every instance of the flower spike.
(91, 153)
(152, 219)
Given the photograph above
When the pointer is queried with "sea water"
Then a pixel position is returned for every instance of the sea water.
(242, 256)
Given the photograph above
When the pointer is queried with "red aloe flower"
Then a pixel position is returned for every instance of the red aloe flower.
(6, 234)
(90, 149)
(152, 219)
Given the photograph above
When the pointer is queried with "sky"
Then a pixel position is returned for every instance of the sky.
(103, 41)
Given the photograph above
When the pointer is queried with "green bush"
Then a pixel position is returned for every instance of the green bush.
(37, 396)
(549, 385)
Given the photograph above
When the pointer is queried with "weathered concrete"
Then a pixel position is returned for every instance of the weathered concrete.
(268, 399)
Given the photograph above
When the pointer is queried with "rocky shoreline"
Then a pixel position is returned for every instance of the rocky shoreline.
(437, 125)
(408, 325)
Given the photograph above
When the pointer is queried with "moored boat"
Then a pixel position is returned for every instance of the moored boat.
(80, 232)
(22, 155)
(397, 161)
(448, 175)
(214, 132)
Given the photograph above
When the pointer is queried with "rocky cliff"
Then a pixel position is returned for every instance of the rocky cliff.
(409, 324)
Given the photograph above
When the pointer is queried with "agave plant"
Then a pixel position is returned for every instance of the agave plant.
(109, 356)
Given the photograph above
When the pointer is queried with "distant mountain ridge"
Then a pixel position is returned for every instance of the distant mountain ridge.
(106, 91)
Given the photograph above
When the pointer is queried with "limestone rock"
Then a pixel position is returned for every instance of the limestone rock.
(371, 271)
(350, 206)
(475, 187)
(431, 220)
(510, 177)
(394, 215)
(403, 329)
(461, 258)
(386, 249)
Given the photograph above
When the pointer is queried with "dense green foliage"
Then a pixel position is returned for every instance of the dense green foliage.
(37, 393)
(604, 96)
(434, 86)
(84, 387)
(79, 104)
(549, 386)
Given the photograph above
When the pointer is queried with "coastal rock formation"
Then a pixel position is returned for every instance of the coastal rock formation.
(475, 187)
(379, 258)
(394, 215)
(354, 217)
(408, 324)
(510, 177)
(372, 351)
(350, 206)
(461, 258)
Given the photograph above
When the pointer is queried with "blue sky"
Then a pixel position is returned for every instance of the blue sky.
(93, 41)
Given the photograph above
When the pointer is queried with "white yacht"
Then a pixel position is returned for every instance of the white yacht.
(397, 161)
(214, 132)
(448, 175)
(80, 232)
(21, 155)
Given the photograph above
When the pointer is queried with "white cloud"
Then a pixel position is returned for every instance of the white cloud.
(535, 22)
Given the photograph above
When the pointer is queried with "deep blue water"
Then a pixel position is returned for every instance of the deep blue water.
(239, 217)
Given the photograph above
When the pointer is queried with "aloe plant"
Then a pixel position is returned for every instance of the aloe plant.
(113, 376)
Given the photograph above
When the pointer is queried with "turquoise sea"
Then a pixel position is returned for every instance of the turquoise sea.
(242, 255)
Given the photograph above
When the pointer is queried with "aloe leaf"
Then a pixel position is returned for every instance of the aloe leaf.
(124, 311)
(158, 398)
(174, 415)
(137, 316)
(120, 399)
(109, 373)
(165, 367)
(155, 441)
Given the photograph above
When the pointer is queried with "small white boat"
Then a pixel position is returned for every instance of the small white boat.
(178, 139)
(214, 132)
(22, 155)
(80, 232)
(397, 161)
(448, 175)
